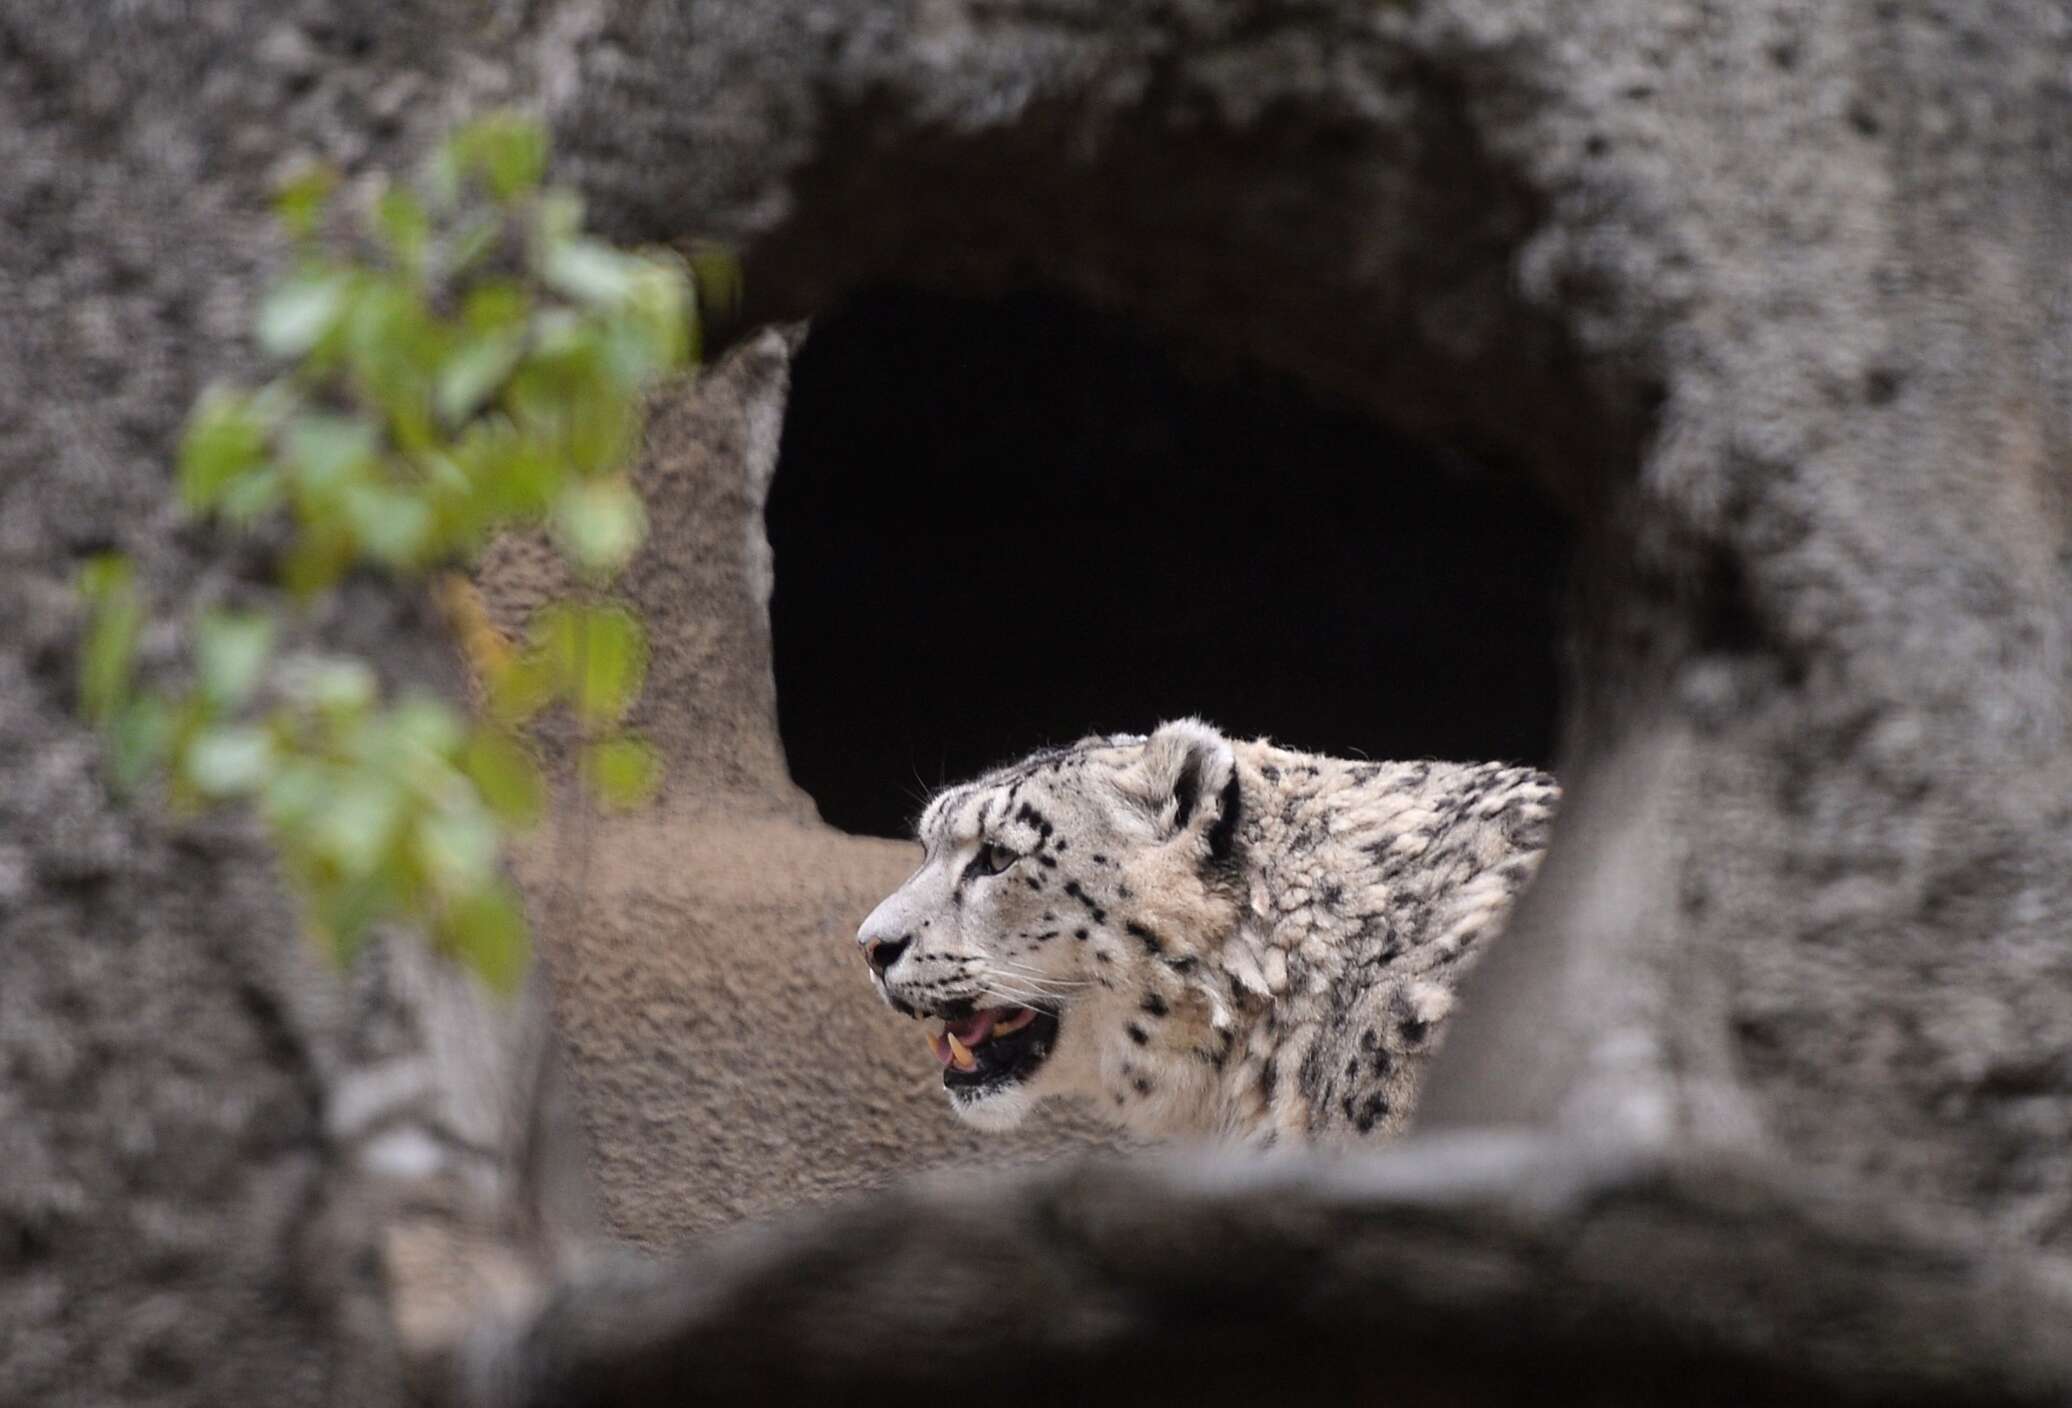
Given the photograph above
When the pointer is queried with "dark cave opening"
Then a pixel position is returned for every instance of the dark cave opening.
(1005, 522)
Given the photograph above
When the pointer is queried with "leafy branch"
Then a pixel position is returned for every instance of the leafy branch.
(461, 361)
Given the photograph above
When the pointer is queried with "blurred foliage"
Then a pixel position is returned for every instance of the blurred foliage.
(460, 361)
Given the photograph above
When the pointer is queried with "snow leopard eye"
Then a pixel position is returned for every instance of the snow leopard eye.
(994, 858)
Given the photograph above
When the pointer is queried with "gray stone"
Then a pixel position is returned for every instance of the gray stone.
(177, 1225)
(1775, 299)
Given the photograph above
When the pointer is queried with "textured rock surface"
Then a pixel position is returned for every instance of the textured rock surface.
(179, 1222)
(1774, 297)
(731, 1059)
(1476, 1269)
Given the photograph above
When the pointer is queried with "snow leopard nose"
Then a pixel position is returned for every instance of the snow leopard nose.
(881, 954)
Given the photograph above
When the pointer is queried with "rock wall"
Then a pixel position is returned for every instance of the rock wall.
(1773, 298)
(729, 1055)
(1776, 300)
(179, 1221)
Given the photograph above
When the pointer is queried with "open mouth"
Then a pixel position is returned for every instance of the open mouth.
(994, 1046)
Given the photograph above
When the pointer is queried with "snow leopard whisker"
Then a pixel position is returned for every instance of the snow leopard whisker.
(1036, 977)
(1019, 992)
(1016, 965)
(979, 966)
(1008, 982)
(1022, 999)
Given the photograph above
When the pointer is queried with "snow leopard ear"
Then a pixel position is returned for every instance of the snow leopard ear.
(1191, 774)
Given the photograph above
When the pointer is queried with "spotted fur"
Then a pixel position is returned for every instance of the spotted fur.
(1239, 940)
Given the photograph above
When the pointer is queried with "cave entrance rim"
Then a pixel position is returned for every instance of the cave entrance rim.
(1012, 521)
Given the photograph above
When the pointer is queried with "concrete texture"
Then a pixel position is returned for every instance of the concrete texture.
(1483, 1269)
(730, 1058)
(178, 1222)
(1775, 298)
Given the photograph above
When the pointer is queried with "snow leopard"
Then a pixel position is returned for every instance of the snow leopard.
(1203, 937)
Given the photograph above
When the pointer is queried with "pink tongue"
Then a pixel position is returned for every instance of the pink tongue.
(974, 1030)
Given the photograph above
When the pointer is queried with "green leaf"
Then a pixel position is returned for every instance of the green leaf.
(230, 652)
(354, 832)
(487, 931)
(600, 419)
(327, 452)
(344, 910)
(649, 335)
(530, 478)
(636, 354)
(251, 495)
(316, 563)
(561, 339)
(443, 174)
(424, 725)
(508, 150)
(480, 364)
(331, 684)
(294, 795)
(591, 272)
(473, 242)
(393, 525)
(301, 311)
(555, 635)
(393, 348)
(188, 718)
(228, 760)
(105, 575)
(108, 582)
(717, 271)
(662, 314)
(600, 524)
(457, 849)
(462, 514)
(137, 739)
(557, 218)
(600, 653)
(496, 305)
(506, 776)
(225, 440)
(511, 475)
(404, 227)
(299, 204)
(623, 772)
(491, 342)
(528, 684)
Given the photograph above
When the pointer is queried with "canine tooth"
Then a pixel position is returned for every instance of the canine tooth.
(965, 1060)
